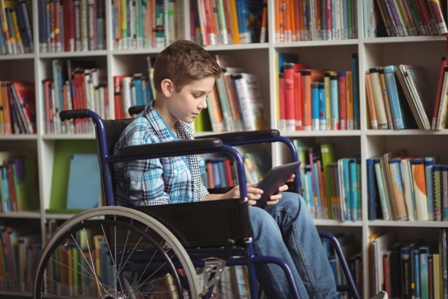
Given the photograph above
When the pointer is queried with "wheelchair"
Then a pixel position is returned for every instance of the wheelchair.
(166, 251)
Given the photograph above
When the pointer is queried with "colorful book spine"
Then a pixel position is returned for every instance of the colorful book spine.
(429, 165)
(342, 99)
(398, 188)
(444, 181)
(381, 190)
(334, 102)
(419, 181)
(315, 106)
(394, 99)
(290, 123)
(378, 98)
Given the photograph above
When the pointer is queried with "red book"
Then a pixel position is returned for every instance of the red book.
(57, 25)
(228, 171)
(46, 84)
(298, 95)
(66, 16)
(439, 90)
(118, 105)
(209, 168)
(342, 95)
(25, 92)
(306, 99)
(288, 70)
(71, 26)
(298, 100)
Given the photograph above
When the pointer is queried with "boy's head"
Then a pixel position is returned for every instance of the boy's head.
(183, 62)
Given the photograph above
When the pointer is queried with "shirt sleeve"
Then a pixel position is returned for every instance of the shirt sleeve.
(146, 185)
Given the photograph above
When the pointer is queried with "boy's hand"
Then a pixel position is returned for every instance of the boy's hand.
(253, 193)
(273, 200)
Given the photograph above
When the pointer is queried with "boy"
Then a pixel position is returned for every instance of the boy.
(184, 74)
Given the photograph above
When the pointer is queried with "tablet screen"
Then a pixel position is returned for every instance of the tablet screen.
(275, 178)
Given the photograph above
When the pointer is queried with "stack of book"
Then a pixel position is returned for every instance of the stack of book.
(315, 20)
(17, 24)
(17, 100)
(399, 97)
(407, 188)
(66, 25)
(314, 99)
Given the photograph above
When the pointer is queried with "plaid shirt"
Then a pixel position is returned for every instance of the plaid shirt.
(157, 181)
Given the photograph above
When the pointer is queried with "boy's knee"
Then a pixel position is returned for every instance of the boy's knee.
(261, 221)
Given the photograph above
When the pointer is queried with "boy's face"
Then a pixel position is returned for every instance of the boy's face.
(189, 102)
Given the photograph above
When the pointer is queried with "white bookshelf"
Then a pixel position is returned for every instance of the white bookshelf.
(260, 60)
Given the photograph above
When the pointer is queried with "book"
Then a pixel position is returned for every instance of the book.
(378, 100)
(380, 243)
(440, 122)
(84, 182)
(438, 92)
(250, 101)
(419, 182)
(371, 102)
(398, 188)
(395, 100)
(386, 99)
(372, 190)
(418, 94)
(24, 95)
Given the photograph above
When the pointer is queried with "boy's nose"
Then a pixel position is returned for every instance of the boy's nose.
(203, 103)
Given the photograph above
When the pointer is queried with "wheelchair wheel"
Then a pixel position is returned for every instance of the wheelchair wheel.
(116, 253)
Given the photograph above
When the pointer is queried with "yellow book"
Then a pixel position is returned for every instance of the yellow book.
(234, 22)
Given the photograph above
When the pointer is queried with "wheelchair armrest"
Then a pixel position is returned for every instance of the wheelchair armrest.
(165, 149)
(244, 136)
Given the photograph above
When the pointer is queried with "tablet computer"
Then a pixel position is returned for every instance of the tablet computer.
(275, 178)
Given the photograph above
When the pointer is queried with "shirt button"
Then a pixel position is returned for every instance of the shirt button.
(132, 182)
(175, 171)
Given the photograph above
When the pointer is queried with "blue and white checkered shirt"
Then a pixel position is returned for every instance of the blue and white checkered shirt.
(157, 181)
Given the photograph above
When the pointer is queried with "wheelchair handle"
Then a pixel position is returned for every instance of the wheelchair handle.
(73, 114)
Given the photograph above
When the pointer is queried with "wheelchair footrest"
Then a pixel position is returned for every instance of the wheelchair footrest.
(214, 267)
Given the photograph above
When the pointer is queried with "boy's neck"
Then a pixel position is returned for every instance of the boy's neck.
(165, 115)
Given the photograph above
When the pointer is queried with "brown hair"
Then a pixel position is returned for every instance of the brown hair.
(183, 62)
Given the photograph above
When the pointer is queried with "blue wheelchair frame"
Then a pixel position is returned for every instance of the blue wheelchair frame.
(217, 143)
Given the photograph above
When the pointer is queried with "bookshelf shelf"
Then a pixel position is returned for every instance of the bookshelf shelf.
(259, 59)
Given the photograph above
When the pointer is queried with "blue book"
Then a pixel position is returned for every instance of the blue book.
(415, 255)
(424, 271)
(372, 189)
(318, 204)
(353, 188)
(322, 107)
(309, 190)
(139, 97)
(315, 106)
(429, 165)
(334, 102)
(395, 100)
(347, 187)
(84, 185)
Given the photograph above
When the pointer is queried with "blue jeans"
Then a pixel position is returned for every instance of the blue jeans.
(286, 230)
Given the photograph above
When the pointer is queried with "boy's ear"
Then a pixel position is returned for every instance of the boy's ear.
(167, 87)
